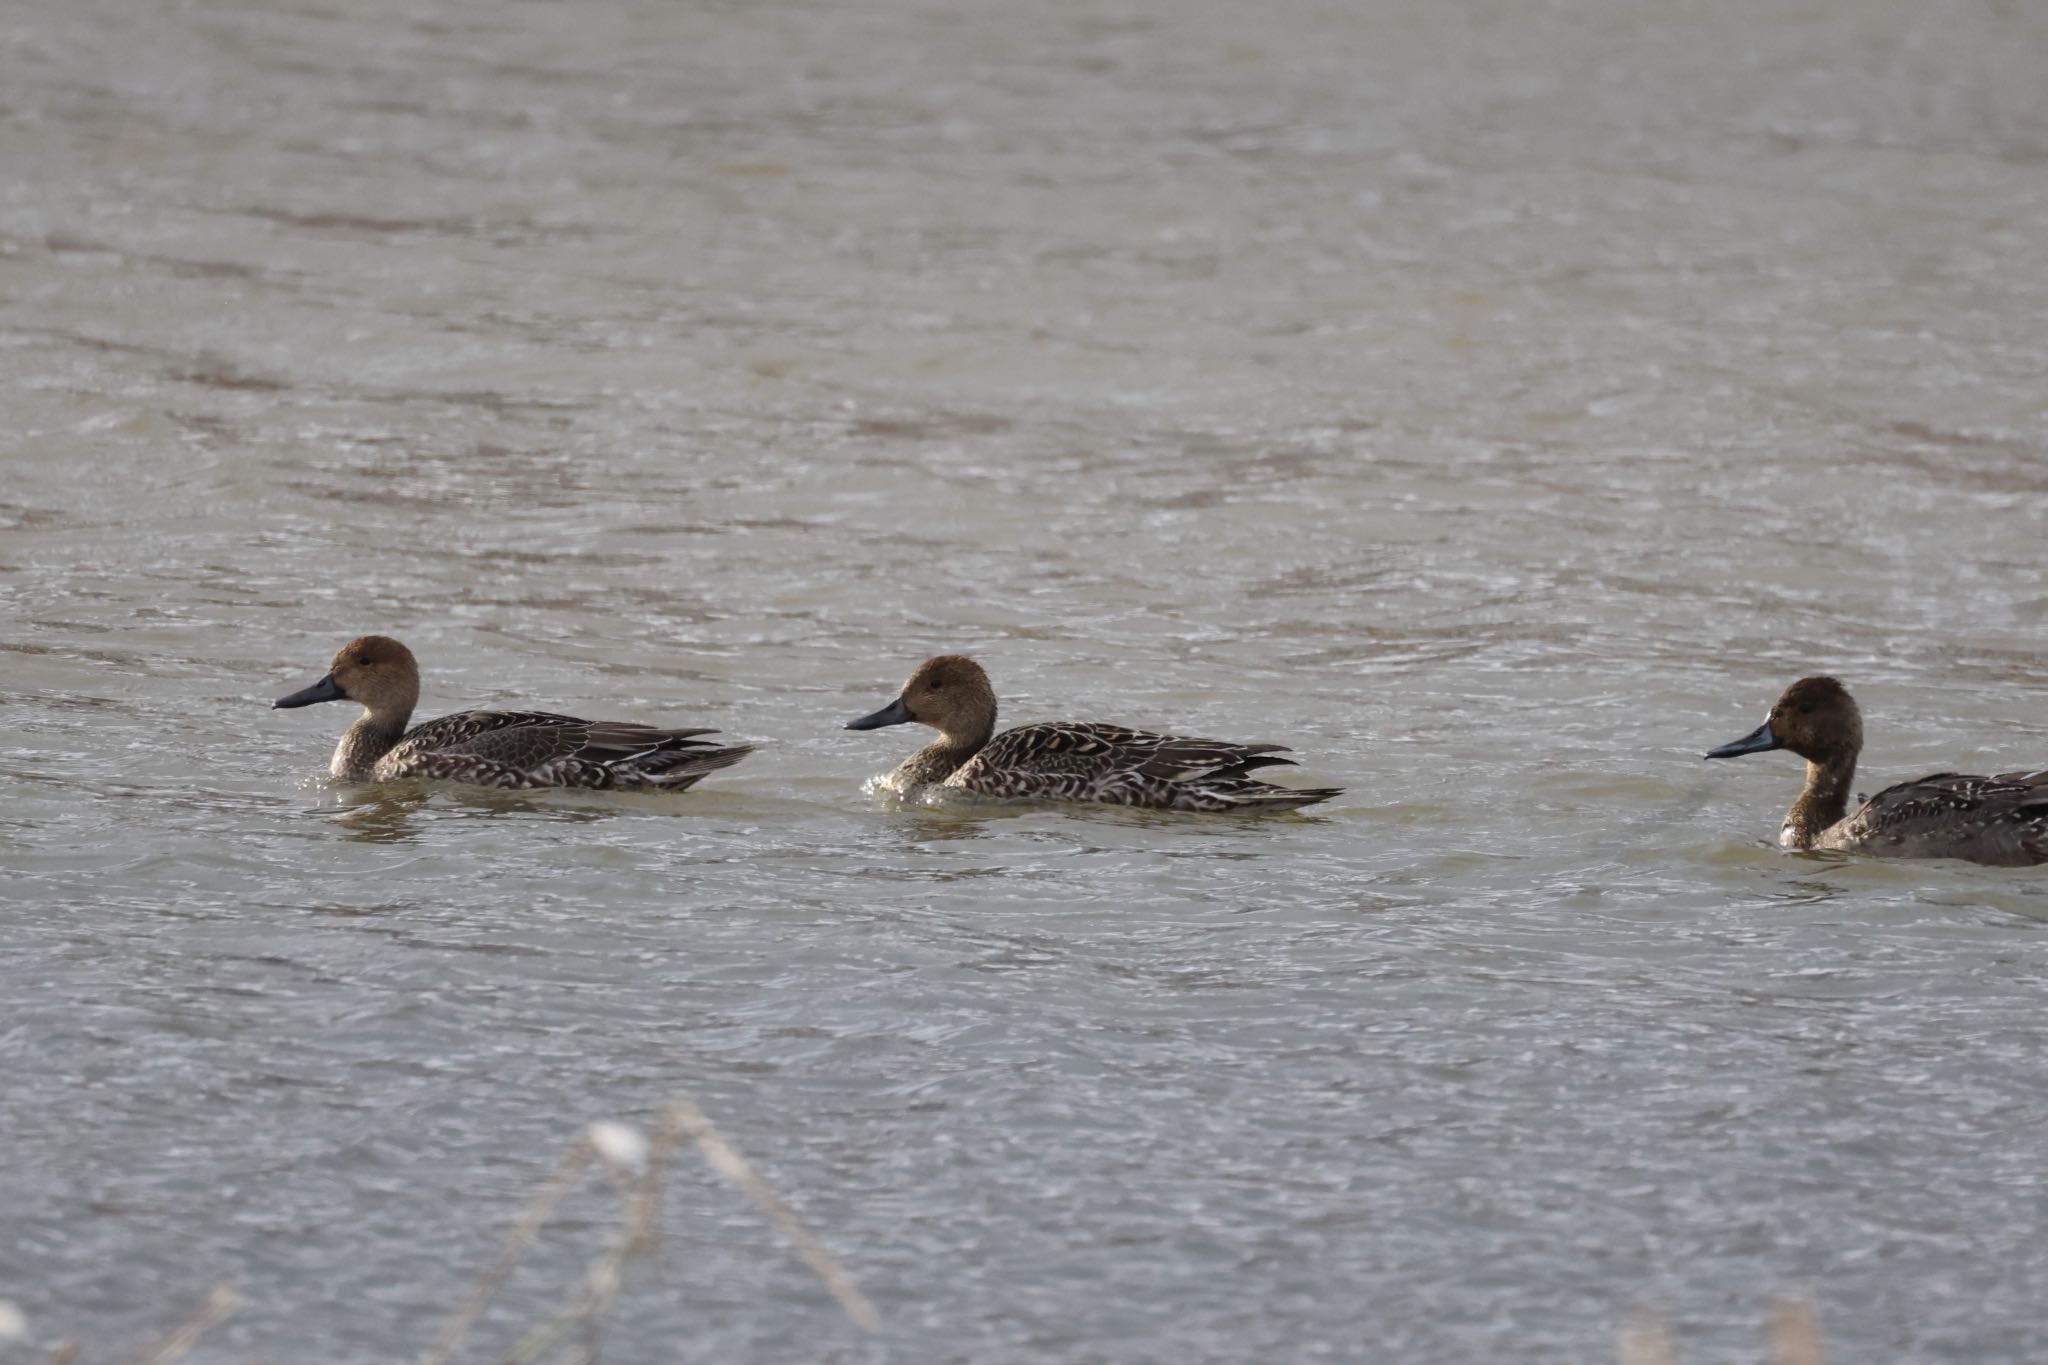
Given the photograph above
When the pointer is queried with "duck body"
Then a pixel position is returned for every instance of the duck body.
(1078, 761)
(2000, 820)
(1071, 760)
(526, 749)
(517, 750)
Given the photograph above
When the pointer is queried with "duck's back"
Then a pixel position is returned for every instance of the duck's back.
(1075, 761)
(2001, 820)
(523, 749)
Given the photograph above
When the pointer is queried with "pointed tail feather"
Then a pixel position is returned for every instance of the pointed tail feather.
(1261, 761)
(1268, 797)
(678, 769)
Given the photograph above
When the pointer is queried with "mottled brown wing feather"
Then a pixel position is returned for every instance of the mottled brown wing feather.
(542, 749)
(1110, 763)
(2002, 819)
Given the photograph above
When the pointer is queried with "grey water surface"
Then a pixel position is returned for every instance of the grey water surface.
(1498, 403)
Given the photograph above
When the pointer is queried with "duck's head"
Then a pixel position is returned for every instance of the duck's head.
(1816, 718)
(950, 693)
(375, 671)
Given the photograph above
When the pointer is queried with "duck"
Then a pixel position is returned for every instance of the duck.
(2000, 820)
(511, 749)
(1070, 760)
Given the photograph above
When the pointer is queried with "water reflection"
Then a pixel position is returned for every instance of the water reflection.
(381, 819)
(395, 812)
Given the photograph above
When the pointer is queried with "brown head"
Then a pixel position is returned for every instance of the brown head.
(950, 693)
(1816, 718)
(376, 672)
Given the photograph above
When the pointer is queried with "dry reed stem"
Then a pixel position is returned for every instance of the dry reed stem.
(592, 1307)
(220, 1305)
(1793, 1330)
(692, 1124)
(1644, 1340)
(587, 1310)
(558, 1184)
(1794, 1333)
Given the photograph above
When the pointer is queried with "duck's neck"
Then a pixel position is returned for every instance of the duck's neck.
(369, 739)
(1824, 802)
(939, 760)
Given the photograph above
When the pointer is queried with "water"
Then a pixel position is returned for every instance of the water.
(1498, 406)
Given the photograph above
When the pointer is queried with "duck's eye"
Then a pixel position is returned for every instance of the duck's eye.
(362, 661)
(1806, 709)
(933, 685)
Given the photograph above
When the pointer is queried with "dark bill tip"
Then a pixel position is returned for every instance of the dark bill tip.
(1757, 741)
(324, 690)
(895, 713)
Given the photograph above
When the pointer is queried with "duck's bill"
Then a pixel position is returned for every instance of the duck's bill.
(895, 713)
(1757, 741)
(324, 690)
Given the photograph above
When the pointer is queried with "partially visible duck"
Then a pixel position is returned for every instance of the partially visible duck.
(2001, 820)
(516, 749)
(1070, 760)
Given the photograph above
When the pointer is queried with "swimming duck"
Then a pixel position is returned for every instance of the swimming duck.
(2001, 820)
(517, 749)
(1070, 760)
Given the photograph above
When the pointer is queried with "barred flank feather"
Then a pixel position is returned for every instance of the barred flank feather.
(526, 749)
(1074, 761)
(2001, 820)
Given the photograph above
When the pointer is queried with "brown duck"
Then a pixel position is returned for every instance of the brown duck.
(2001, 820)
(1070, 760)
(517, 749)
